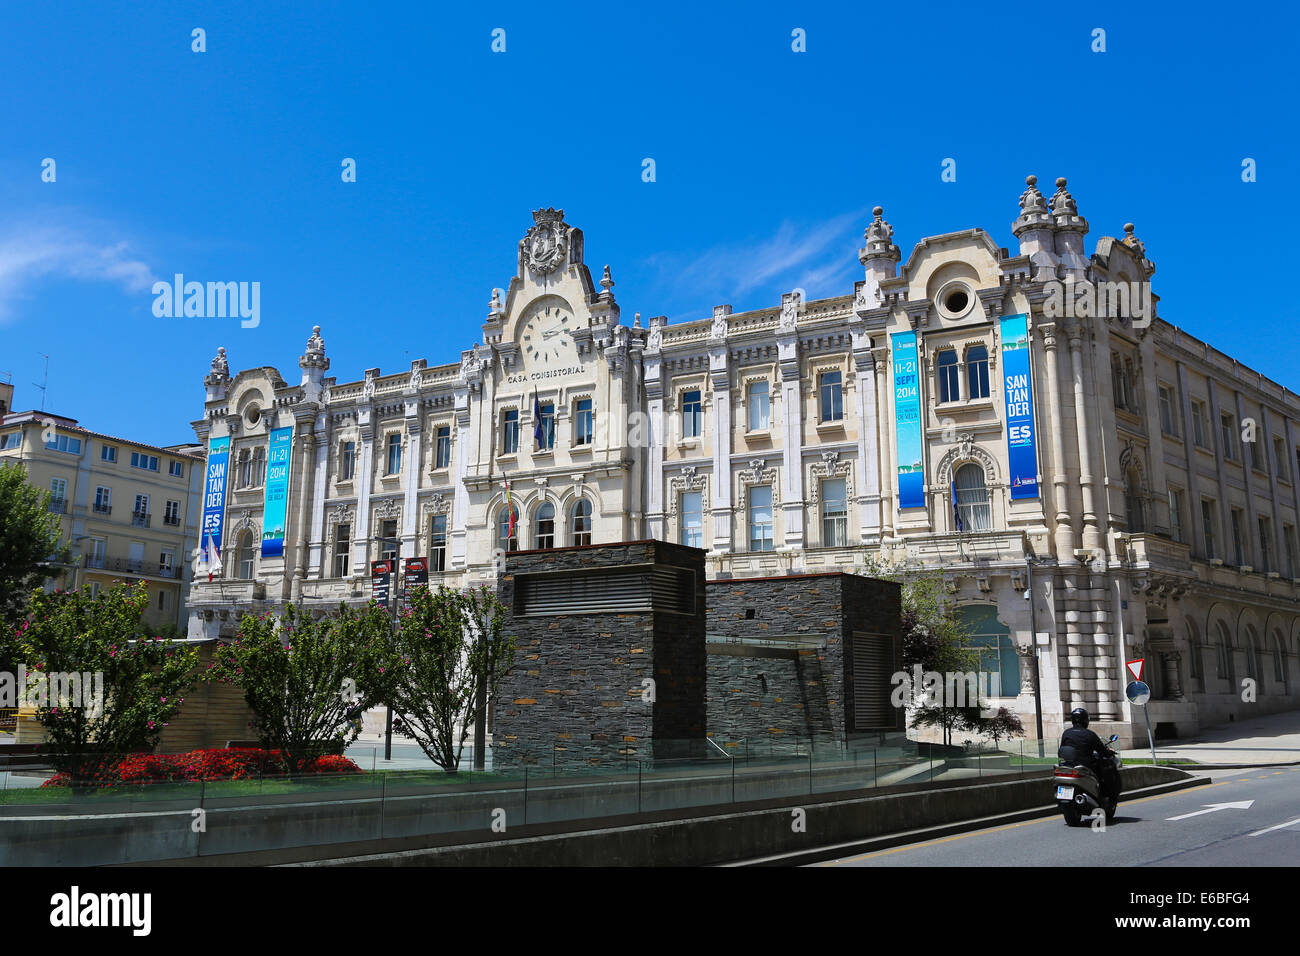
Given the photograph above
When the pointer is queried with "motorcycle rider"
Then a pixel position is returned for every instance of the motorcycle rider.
(1089, 749)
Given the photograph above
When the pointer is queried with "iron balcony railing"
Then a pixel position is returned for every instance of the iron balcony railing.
(103, 509)
(58, 505)
(127, 566)
(140, 519)
(172, 519)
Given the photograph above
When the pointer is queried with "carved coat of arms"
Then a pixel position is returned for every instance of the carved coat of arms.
(547, 244)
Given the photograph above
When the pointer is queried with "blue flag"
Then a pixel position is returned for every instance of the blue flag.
(539, 430)
(956, 512)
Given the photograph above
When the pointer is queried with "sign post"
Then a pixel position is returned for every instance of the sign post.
(1139, 693)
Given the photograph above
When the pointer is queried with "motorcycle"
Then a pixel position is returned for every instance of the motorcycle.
(1079, 792)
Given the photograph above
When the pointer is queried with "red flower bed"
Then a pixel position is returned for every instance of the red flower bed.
(235, 763)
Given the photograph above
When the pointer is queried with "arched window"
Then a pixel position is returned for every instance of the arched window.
(244, 475)
(973, 499)
(991, 640)
(246, 556)
(544, 521)
(259, 467)
(1226, 665)
(948, 376)
(1133, 502)
(1279, 664)
(1252, 658)
(508, 529)
(977, 372)
(582, 522)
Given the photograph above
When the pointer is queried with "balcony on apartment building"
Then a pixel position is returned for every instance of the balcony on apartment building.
(147, 569)
(58, 506)
(140, 519)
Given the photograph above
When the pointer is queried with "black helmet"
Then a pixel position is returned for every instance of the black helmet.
(1079, 717)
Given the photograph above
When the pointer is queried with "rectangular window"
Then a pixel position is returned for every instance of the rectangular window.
(1238, 538)
(166, 561)
(1288, 542)
(96, 551)
(835, 514)
(442, 447)
(140, 515)
(141, 460)
(108, 453)
(510, 432)
(947, 375)
(58, 495)
(342, 549)
(438, 543)
(164, 600)
(584, 423)
(11, 440)
(176, 469)
(692, 413)
(759, 406)
(977, 372)
(1175, 514)
(1200, 425)
(1228, 431)
(388, 543)
(1257, 461)
(394, 454)
(1265, 545)
(103, 500)
(548, 428)
(693, 519)
(347, 461)
(1279, 456)
(172, 514)
(760, 518)
(1167, 410)
(1207, 527)
(66, 444)
(832, 397)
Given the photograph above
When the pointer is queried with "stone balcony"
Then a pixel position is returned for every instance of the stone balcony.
(967, 547)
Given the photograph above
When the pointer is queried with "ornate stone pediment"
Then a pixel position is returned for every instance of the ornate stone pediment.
(829, 467)
(759, 473)
(688, 479)
(546, 244)
(966, 450)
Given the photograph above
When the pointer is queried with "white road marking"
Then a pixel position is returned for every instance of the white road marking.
(1280, 826)
(1211, 807)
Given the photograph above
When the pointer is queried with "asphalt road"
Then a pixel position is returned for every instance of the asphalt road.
(1267, 833)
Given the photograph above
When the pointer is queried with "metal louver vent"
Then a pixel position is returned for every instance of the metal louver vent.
(608, 591)
(873, 665)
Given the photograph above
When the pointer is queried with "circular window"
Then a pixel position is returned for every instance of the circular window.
(955, 300)
(252, 415)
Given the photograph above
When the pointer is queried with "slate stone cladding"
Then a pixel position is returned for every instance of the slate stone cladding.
(824, 607)
(576, 694)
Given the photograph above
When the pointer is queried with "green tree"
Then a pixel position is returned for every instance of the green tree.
(454, 654)
(29, 541)
(300, 676)
(143, 679)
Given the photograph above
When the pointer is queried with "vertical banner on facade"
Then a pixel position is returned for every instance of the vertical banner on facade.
(907, 421)
(214, 491)
(381, 579)
(275, 508)
(415, 574)
(1017, 385)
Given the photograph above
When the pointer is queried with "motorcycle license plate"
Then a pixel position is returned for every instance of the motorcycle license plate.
(1065, 793)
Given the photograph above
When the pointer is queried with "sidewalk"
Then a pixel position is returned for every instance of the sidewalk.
(1272, 739)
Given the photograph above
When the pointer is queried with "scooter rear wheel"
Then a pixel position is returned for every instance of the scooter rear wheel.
(1112, 810)
(1071, 815)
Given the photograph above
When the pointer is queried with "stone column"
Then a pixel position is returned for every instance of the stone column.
(460, 500)
(720, 384)
(1064, 532)
(306, 442)
(792, 503)
(868, 464)
(323, 432)
(885, 433)
(1092, 538)
(365, 441)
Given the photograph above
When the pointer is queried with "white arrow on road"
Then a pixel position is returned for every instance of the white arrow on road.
(1211, 807)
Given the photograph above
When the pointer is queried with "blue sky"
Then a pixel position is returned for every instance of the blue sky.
(225, 166)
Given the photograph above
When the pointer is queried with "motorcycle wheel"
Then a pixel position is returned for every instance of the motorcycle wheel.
(1112, 809)
(1071, 815)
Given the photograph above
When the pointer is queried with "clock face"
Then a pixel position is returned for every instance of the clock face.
(548, 335)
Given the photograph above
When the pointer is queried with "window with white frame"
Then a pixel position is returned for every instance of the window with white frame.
(692, 413)
(760, 518)
(176, 469)
(946, 371)
(347, 461)
(977, 372)
(437, 542)
(58, 494)
(1167, 420)
(1133, 503)
(388, 543)
(108, 453)
(973, 504)
(1200, 425)
(507, 529)
(141, 460)
(103, 500)
(442, 446)
(835, 513)
(831, 389)
(172, 513)
(544, 526)
(760, 406)
(1228, 435)
(548, 428)
(259, 466)
(692, 519)
(394, 460)
(584, 422)
(510, 431)
(581, 522)
(246, 556)
(342, 549)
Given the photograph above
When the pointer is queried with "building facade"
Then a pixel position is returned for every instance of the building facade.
(128, 510)
(1094, 484)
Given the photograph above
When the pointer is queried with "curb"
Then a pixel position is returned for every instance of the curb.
(838, 850)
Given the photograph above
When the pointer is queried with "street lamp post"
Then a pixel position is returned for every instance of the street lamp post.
(1033, 627)
(392, 603)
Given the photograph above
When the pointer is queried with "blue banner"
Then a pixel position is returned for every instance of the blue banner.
(1017, 386)
(276, 505)
(214, 491)
(907, 421)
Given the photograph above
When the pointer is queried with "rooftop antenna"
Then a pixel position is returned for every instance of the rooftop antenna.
(44, 382)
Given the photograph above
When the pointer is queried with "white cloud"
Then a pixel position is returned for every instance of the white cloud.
(821, 259)
(32, 253)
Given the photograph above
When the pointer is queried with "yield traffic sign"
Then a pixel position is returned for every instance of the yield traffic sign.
(1135, 667)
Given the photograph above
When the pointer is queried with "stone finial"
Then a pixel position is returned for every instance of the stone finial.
(636, 320)
(220, 366)
(879, 236)
(314, 356)
(606, 281)
(1033, 213)
(494, 307)
(1062, 201)
(1132, 241)
(1031, 200)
